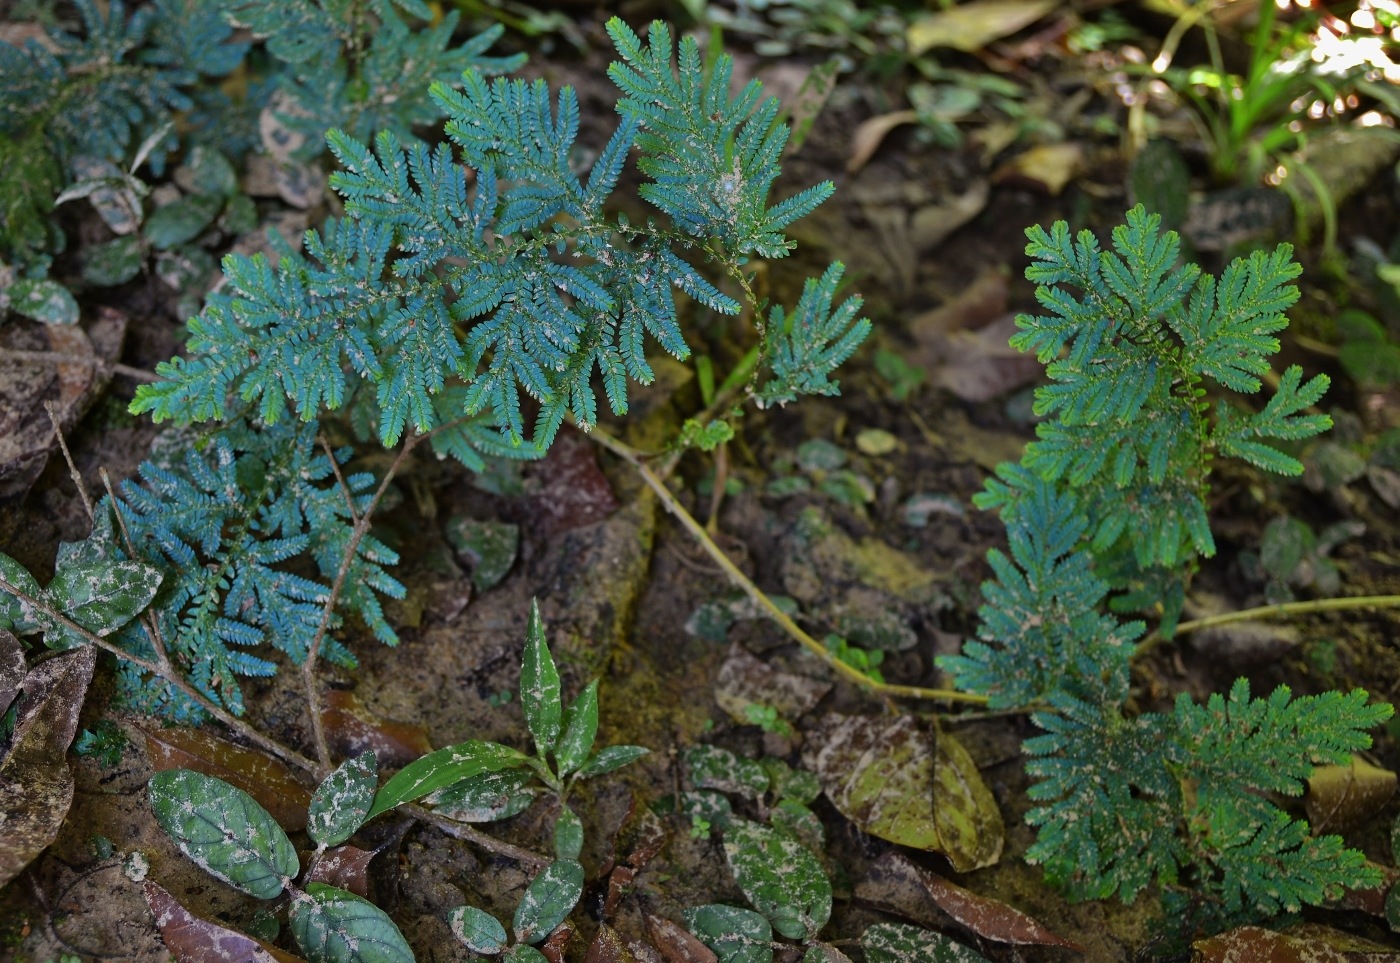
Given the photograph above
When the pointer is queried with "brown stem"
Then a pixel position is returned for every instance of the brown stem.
(58, 357)
(68, 458)
(466, 832)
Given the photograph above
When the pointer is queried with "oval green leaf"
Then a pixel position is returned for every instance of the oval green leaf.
(487, 796)
(43, 300)
(103, 596)
(442, 768)
(548, 900)
(780, 877)
(224, 831)
(568, 834)
(343, 800)
(335, 926)
(182, 220)
(477, 929)
(112, 262)
(900, 943)
(736, 935)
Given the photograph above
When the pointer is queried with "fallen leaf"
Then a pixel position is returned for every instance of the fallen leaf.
(677, 944)
(36, 785)
(871, 133)
(1045, 167)
(553, 947)
(1308, 943)
(574, 491)
(346, 867)
(980, 365)
(1340, 797)
(352, 728)
(989, 918)
(12, 669)
(637, 841)
(270, 781)
(301, 185)
(895, 780)
(744, 680)
(1372, 899)
(971, 26)
(192, 939)
(607, 947)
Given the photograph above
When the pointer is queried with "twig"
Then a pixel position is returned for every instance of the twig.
(340, 480)
(736, 576)
(308, 665)
(68, 457)
(1274, 611)
(58, 357)
(465, 832)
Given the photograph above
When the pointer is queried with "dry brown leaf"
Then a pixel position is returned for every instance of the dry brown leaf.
(676, 943)
(871, 133)
(344, 866)
(575, 492)
(1340, 797)
(12, 669)
(270, 781)
(191, 939)
(1308, 943)
(1047, 167)
(553, 947)
(1372, 899)
(744, 680)
(36, 785)
(351, 728)
(987, 917)
(607, 947)
(971, 26)
(637, 841)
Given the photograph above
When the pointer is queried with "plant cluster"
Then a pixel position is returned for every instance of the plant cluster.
(1107, 510)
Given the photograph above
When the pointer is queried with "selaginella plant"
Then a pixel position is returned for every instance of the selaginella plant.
(1110, 501)
(232, 837)
(440, 309)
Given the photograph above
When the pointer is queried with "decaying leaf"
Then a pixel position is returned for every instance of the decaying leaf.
(268, 780)
(12, 669)
(608, 947)
(575, 492)
(871, 133)
(189, 937)
(971, 26)
(345, 867)
(1339, 797)
(36, 786)
(744, 680)
(899, 943)
(1308, 943)
(895, 780)
(351, 728)
(637, 842)
(1045, 167)
(677, 944)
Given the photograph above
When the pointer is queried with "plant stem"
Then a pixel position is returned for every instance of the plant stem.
(850, 673)
(58, 357)
(1275, 611)
(466, 832)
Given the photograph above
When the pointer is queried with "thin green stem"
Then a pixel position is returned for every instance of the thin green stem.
(1275, 611)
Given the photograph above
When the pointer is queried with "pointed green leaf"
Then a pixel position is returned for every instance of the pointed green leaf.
(780, 877)
(568, 834)
(343, 800)
(539, 686)
(335, 926)
(735, 934)
(443, 768)
(43, 300)
(548, 900)
(224, 831)
(477, 929)
(611, 758)
(487, 796)
(112, 262)
(580, 730)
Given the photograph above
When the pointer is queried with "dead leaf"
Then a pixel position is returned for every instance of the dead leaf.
(607, 947)
(553, 947)
(26, 432)
(351, 728)
(270, 781)
(344, 866)
(744, 680)
(1340, 797)
(637, 841)
(191, 939)
(1046, 167)
(301, 185)
(12, 669)
(1308, 943)
(895, 780)
(871, 133)
(971, 26)
(1372, 899)
(980, 365)
(574, 491)
(36, 785)
(676, 943)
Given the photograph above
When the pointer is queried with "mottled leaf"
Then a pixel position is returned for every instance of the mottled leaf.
(520, 953)
(12, 669)
(334, 926)
(780, 877)
(548, 900)
(224, 831)
(611, 758)
(1308, 943)
(43, 300)
(192, 938)
(580, 726)
(36, 786)
(568, 834)
(895, 780)
(342, 802)
(487, 796)
(490, 547)
(477, 929)
(1340, 797)
(269, 781)
(442, 768)
(735, 934)
(181, 220)
(824, 953)
(102, 596)
(344, 867)
(712, 767)
(900, 943)
(112, 262)
(539, 686)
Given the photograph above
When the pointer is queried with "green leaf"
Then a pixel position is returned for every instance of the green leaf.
(568, 834)
(342, 802)
(735, 934)
(548, 900)
(334, 926)
(712, 767)
(224, 831)
(539, 686)
(520, 953)
(580, 729)
(211, 173)
(477, 929)
(487, 796)
(900, 943)
(780, 877)
(182, 220)
(443, 768)
(610, 759)
(112, 262)
(43, 300)
(20, 617)
(102, 596)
